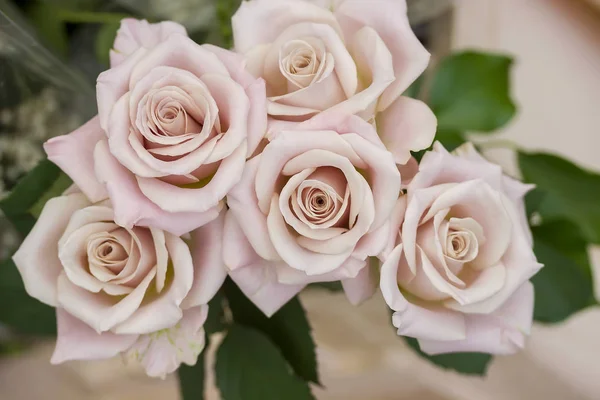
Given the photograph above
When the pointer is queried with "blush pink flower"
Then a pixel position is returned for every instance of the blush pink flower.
(121, 290)
(346, 56)
(175, 125)
(459, 257)
(312, 207)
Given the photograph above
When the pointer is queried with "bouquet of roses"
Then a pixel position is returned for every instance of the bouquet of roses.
(211, 177)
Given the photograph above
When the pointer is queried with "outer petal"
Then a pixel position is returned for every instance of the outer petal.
(414, 320)
(243, 203)
(74, 154)
(389, 19)
(256, 278)
(113, 83)
(374, 62)
(209, 269)
(503, 332)
(77, 341)
(255, 90)
(162, 352)
(362, 287)
(133, 208)
(250, 26)
(37, 258)
(134, 34)
(407, 125)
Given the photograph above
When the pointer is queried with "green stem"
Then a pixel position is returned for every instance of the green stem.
(82, 17)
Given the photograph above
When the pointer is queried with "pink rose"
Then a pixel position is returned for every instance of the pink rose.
(348, 56)
(138, 291)
(174, 128)
(312, 207)
(459, 258)
(134, 34)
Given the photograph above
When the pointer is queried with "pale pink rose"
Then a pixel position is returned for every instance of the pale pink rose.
(134, 34)
(121, 290)
(350, 56)
(174, 129)
(459, 258)
(312, 207)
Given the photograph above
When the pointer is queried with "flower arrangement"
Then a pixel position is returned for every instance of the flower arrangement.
(214, 185)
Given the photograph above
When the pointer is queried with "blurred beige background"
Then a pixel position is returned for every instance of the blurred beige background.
(557, 84)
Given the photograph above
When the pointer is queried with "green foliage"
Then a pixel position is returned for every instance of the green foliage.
(565, 285)
(450, 139)
(569, 192)
(19, 311)
(471, 92)
(104, 41)
(250, 367)
(465, 363)
(50, 27)
(288, 329)
(27, 198)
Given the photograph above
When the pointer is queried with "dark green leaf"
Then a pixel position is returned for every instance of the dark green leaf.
(569, 192)
(465, 363)
(19, 311)
(215, 322)
(192, 379)
(414, 90)
(50, 27)
(225, 10)
(533, 201)
(450, 139)
(331, 286)
(27, 198)
(565, 285)
(288, 329)
(471, 92)
(104, 42)
(62, 183)
(250, 367)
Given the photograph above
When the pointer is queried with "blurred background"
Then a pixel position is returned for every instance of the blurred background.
(52, 50)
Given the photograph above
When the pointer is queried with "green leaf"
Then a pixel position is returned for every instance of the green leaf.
(225, 10)
(288, 329)
(20, 311)
(570, 192)
(31, 193)
(215, 322)
(104, 41)
(192, 379)
(465, 363)
(62, 183)
(450, 139)
(50, 27)
(471, 92)
(565, 285)
(250, 367)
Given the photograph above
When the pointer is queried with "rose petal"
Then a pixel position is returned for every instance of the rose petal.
(133, 34)
(37, 258)
(362, 287)
(207, 255)
(250, 29)
(74, 154)
(389, 19)
(407, 125)
(164, 311)
(161, 353)
(256, 278)
(77, 341)
(500, 333)
(411, 319)
(131, 207)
